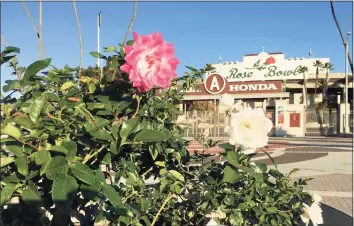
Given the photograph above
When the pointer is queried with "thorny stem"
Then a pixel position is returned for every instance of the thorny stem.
(149, 170)
(137, 108)
(161, 208)
(131, 22)
(89, 156)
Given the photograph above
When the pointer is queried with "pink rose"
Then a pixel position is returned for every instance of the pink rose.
(150, 61)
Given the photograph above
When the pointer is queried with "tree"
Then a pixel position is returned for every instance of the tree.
(303, 70)
(341, 34)
(318, 65)
(328, 67)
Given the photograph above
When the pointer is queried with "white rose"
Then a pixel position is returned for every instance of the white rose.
(227, 103)
(249, 129)
(313, 212)
(226, 100)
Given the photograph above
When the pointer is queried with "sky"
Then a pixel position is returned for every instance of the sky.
(200, 31)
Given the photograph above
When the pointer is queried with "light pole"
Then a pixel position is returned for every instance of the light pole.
(346, 118)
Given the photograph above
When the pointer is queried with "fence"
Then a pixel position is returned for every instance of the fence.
(199, 121)
(322, 122)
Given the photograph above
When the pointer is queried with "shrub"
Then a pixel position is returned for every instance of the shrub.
(81, 148)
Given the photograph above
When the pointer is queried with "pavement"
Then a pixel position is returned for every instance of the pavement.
(328, 160)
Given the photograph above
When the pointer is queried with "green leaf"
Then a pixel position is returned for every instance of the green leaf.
(4, 161)
(35, 67)
(127, 128)
(92, 87)
(100, 123)
(6, 193)
(107, 159)
(83, 173)
(149, 135)
(227, 146)
(271, 210)
(112, 196)
(233, 158)
(11, 49)
(57, 165)
(111, 49)
(191, 68)
(41, 157)
(154, 152)
(130, 43)
(100, 176)
(236, 218)
(159, 163)
(64, 189)
(15, 148)
(11, 130)
(261, 166)
(58, 149)
(30, 195)
(113, 148)
(98, 55)
(37, 106)
(22, 166)
(102, 135)
(293, 171)
(66, 86)
(177, 175)
(11, 85)
(24, 122)
(231, 175)
(71, 147)
(114, 131)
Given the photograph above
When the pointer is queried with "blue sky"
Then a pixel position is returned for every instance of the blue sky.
(200, 31)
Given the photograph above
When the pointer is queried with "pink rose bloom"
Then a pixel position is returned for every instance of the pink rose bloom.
(150, 61)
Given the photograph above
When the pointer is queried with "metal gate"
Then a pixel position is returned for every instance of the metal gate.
(199, 121)
(321, 123)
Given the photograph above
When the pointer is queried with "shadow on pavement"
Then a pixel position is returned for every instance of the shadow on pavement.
(334, 217)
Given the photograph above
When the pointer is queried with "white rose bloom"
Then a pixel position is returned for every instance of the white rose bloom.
(238, 106)
(249, 129)
(212, 222)
(313, 212)
(227, 103)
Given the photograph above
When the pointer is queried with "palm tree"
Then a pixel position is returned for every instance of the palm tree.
(341, 34)
(328, 67)
(303, 70)
(318, 65)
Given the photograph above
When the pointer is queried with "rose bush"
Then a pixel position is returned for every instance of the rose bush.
(89, 150)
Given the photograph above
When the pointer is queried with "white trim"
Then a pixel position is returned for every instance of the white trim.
(238, 96)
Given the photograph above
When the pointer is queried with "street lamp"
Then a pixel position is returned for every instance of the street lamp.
(346, 118)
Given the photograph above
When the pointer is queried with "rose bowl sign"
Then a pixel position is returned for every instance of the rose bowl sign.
(216, 84)
(266, 67)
